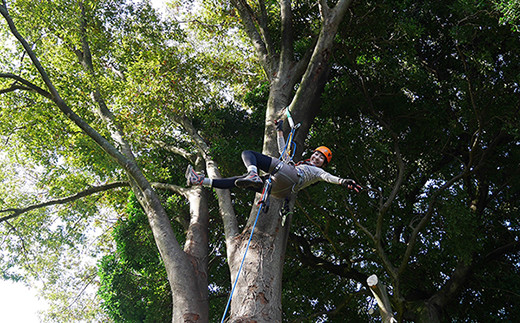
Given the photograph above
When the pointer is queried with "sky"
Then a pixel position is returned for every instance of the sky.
(19, 304)
(158, 4)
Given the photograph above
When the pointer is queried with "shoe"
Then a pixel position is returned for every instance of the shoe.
(192, 177)
(250, 180)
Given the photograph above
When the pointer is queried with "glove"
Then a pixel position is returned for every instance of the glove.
(279, 125)
(351, 184)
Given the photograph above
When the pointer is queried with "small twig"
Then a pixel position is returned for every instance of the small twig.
(25, 251)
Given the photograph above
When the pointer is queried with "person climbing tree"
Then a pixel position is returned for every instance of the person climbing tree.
(286, 177)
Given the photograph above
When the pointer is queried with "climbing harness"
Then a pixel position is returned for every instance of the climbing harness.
(290, 145)
(286, 157)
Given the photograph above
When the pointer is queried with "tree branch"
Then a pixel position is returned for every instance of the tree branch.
(170, 187)
(500, 251)
(385, 205)
(287, 50)
(339, 10)
(261, 48)
(53, 95)
(310, 218)
(264, 29)
(200, 144)
(304, 104)
(173, 149)
(324, 9)
(90, 191)
(398, 182)
(28, 85)
(26, 252)
(309, 259)
(13, 88)
(224, 196)
(103, 110)
(355, 218)
(463, 271)
(468, 169)
(426, 218)
(32, 55)
(399, 159)
(15, 212)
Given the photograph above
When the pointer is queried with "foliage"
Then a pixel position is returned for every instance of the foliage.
(510, 10)
(431, 83)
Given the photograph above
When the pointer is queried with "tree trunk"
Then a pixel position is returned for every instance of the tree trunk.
(196, 247)
(257, 297)
(186, 269)
(431, 310)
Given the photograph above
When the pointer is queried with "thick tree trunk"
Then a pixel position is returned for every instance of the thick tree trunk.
(432, 309)
(196, 247)
(257, 297)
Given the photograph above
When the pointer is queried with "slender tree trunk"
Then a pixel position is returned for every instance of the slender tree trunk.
(196, 247)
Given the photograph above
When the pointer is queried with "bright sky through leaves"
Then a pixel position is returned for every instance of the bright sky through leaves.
(18, 303)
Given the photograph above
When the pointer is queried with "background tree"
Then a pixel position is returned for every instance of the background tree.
(429, 92)
(418, 101)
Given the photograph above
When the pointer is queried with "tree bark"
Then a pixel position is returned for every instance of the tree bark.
(257, 297)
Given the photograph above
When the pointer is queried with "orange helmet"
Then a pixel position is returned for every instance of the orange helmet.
(325, 151)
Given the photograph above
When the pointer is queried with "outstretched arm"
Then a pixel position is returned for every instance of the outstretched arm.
(348, 183)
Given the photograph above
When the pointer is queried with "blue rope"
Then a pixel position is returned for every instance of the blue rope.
(241, 264)
(289, 144)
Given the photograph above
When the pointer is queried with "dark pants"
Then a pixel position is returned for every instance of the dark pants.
(283, 181)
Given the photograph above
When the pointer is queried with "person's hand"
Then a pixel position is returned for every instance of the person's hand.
(278, 124)
(351, 185)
